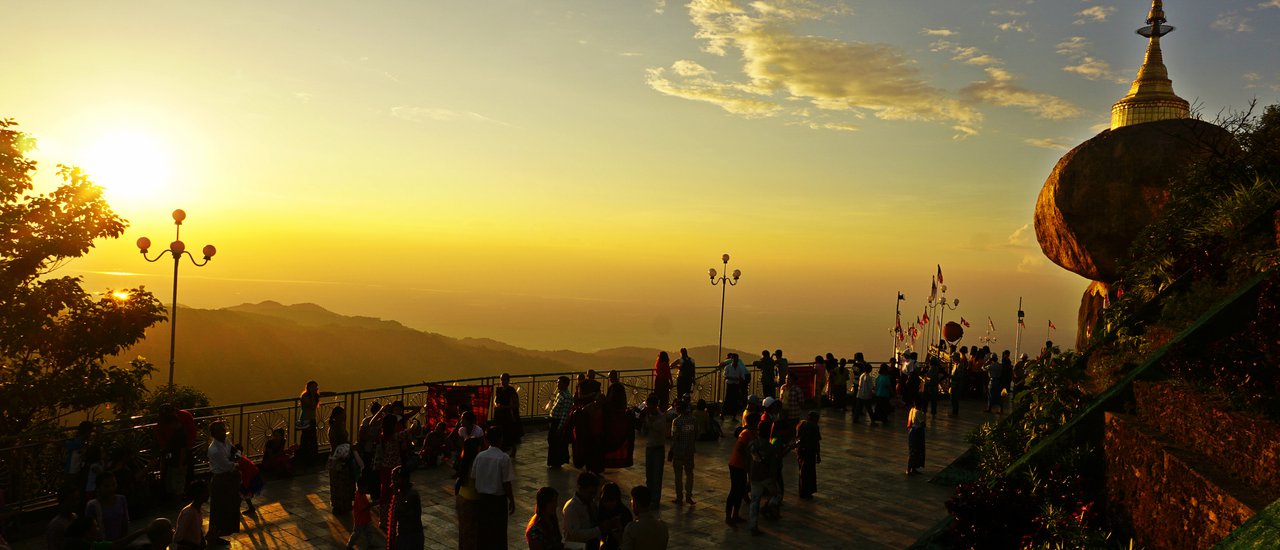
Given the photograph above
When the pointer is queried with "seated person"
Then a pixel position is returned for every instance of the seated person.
(708, 428)
(277, 455)
(435, 446)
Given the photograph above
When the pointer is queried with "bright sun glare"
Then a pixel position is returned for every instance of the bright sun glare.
(130, 165)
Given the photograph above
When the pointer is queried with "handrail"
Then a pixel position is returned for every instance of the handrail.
(30, 464)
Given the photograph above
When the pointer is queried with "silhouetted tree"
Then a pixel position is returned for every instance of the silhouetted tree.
(55, 338)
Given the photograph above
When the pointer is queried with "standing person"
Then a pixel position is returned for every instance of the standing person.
(808, 454)
(111, 510)
(466, 429)
(653, 426)
(686, 371)
(684, 434)
(309, 405)
(839, 384)
(735, 384)
(933, 376)
(662, 379)
(915, 440)
(865, 394)
(620, 430)
(361, 521)
(959, 378)
(224, 487)
(189, 533)
(819, 380)
(557, 443)
(614, 516)
(739, 461)
(175, 434)
(506, 414)
(792, 407)
(765, 461)
(995, 383)
(494, 474)
(646, 532)
(780, 365)
(404, 514)
(768, 375)
(69, 500)
(1018, 380)
(884, 391)
(75, 448)
(367, 443)
(582, 515)
(543, 531)
(911, 384)
(466, 499)
(387, 456)
(344, 466)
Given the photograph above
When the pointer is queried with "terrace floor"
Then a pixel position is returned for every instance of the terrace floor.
(864, 500)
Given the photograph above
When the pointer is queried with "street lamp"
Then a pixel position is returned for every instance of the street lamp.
(725, 282)
(944, 306)
(177, 249)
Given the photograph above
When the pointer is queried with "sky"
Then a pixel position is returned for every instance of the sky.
(561, 174)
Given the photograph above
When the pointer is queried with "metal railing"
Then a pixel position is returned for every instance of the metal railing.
(31, 467)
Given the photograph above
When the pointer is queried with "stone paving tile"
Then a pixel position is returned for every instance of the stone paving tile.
(864, 500)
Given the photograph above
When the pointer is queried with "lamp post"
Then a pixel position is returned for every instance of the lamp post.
(943, 307)
(177, 249)
(725, 282)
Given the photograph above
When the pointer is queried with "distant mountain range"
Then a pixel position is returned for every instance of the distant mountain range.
(257, 352)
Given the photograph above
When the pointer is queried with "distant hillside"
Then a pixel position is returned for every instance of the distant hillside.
(255, 352)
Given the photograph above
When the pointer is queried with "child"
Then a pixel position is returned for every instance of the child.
(251, 483)
(915, 439)
(361, 520)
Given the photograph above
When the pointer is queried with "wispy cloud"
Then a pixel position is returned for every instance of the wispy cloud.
(1030, 263)
(1000, 89)
(1014, 26)
(782, 65)
(1231, 22)
(1021, 236)
(1076, 49)
(948, 32)
(1047, 143)
(437, 114)
(1270, 4)
(1094, 14)
(304, 97)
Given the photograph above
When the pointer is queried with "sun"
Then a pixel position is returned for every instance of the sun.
(130, 165)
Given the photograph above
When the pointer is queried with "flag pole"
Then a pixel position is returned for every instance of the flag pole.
(897, 323)
(1017, 345)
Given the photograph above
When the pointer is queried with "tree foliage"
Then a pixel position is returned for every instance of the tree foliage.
(56, 338)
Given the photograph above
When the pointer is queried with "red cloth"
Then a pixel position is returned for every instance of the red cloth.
(361, 514)
(662, 370)
(188, 425)
(248, 471)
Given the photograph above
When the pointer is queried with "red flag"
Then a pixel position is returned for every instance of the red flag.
(964, 322)
(926, 316)
(939, 273)
(933, 292)
(1022, 323)
(898, 325)
(1051, 326)
(919, 322)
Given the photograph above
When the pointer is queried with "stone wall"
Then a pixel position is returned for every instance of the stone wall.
(1171, 498)
(1246, 446)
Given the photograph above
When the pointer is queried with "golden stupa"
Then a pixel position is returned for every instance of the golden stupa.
(1151, 97)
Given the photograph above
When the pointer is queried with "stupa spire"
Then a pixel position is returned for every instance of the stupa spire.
(1151, 97)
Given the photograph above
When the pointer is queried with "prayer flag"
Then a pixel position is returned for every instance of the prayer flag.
(926, 316)
(1051, 326)
(939, 273)
(964, 322)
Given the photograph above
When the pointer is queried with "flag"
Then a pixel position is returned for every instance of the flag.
(1022, 323)
(964, 322)
(939, 273)
(901, 297)
(919, 323)
(915, 333)
(991, 324)
(933, 292)
(1051, 327)
(926, 316)
(898, 325)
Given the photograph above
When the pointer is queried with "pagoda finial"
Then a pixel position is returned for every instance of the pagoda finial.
(1151, 97)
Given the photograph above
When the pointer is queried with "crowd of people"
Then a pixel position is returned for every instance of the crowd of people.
(593, 428)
